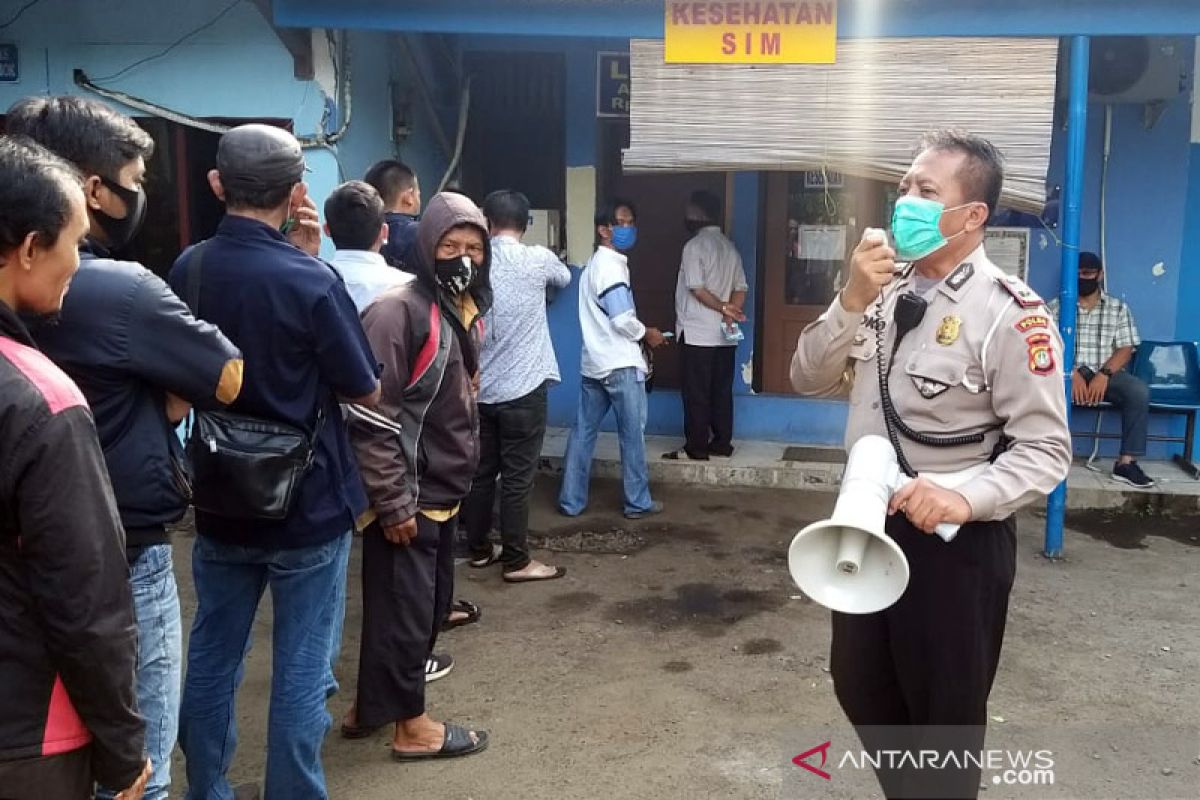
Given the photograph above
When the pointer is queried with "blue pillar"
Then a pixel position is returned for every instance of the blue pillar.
(1069, 293)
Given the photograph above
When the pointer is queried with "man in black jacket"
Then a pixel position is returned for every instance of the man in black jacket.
(141, 359)
(68, 646)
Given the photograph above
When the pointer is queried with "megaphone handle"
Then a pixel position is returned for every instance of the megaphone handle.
(947, 530)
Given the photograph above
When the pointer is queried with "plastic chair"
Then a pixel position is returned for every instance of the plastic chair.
(1171, 370)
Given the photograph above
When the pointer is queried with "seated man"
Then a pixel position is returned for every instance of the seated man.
(1105, 339)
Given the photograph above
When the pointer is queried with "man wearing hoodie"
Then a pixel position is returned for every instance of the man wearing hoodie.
(417, 452)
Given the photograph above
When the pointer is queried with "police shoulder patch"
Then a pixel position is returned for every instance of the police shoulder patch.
(1025, 297)
(1032, 322)
(1041, 353)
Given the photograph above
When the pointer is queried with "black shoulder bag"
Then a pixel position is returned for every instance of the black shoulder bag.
(244, 467)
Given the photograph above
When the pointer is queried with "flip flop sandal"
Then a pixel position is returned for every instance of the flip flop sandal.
(358, 732)
(486, 561)
(557, 573)
(456, 744)
(472, 611)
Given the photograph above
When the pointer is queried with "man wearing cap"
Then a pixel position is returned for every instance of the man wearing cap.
(304, 351)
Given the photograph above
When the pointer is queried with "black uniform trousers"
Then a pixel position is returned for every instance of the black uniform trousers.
(930, 659)
(708, 399)
(406, 593)
(67, 776)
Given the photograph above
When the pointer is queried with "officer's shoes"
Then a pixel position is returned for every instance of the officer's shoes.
(1132, 474)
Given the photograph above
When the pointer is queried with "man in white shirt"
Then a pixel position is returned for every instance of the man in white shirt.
(709, 297)
(517, 366)
(614, 369)
(354, 220)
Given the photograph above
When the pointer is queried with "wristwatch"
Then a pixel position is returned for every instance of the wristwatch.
(1105, 371)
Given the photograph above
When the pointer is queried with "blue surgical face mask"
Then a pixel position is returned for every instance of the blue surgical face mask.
(916, 227)
(624, 237)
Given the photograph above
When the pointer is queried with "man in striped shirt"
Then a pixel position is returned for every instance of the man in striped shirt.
(1105, 340)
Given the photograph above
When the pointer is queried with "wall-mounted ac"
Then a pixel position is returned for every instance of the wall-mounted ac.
(1131, 69)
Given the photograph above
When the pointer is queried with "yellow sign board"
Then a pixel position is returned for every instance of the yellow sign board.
(751, 32)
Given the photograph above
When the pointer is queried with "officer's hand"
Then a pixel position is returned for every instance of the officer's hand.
(654, 338)
(872, 266)
(306, 232)
(1079, 389)
(401, 534)
(928, 505)
(138, 788)
(1097, 389)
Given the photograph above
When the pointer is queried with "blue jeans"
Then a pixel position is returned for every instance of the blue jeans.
(626, 395)
(309, 598)
(160, 661)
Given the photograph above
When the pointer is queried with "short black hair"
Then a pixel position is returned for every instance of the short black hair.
(707, 202)
(982, 173)
(354, 213)
(391, 179)
(34, 192)
(86, 132)
(507, 210)
(607, 214)
(259, 199)
(1090, 261)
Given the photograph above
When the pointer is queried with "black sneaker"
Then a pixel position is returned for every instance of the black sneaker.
(1132, 474)
(438, 666)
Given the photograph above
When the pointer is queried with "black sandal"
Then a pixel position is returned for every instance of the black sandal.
(456, 744)
(472, 611)
(483, 562)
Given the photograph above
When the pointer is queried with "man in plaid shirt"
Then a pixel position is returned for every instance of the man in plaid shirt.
(1105, 338)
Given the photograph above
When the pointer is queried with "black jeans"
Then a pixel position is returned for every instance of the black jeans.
(708, 399)
(510, 446)
(1132, 396)
(67, 776)
(930, 659)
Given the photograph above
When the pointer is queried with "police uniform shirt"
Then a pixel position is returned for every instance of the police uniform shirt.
(986, 358)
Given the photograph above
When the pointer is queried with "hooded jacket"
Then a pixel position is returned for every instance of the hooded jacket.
(68, 642)
(419, 447)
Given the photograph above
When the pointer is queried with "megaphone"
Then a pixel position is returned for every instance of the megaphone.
(848, 563)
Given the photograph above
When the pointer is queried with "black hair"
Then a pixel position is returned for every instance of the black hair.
(1090, 261)
(607, 214)
(34, 192)
(707, 202)
(982, 173)
(354, 213)
(391, 179)
(86, 132)
(507, 210)
(258, 199)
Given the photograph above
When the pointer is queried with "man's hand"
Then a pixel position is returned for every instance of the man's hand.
(1097, 388)
(177, 409)
(928, 505)
(1079, 389)
(654, 338)
(401, 534)
(731, 313)
(475, 385)
(138, 788)
(872, 266)
(306, 232)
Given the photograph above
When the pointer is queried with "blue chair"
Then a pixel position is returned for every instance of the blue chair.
(1171, 370)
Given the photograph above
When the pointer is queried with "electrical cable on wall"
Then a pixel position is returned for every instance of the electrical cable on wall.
(170, 47)
(17, 15)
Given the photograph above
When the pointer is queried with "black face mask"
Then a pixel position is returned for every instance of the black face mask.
(694, 226)
(121, 232)
(1088, 286)
(454, 274)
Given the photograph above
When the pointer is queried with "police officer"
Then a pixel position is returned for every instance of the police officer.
(973, 363)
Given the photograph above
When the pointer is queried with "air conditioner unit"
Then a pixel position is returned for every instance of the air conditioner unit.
(1131, 69)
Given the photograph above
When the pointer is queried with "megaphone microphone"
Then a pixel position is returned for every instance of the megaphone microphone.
(848, 563)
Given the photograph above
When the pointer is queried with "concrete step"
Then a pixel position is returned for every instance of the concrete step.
(762, 465)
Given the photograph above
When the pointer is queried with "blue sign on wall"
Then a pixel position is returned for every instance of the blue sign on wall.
(612, 84)
(10, 71)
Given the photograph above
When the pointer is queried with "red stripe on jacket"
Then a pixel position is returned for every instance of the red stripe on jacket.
(428, 350)
(59, 391)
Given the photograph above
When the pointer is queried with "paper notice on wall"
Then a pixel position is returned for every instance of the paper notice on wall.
(821, 242)
(1008, 248)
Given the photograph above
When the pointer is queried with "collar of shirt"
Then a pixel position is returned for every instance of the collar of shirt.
(507, 238)
(957, 282)
(365, 258)
(248, 228)
(12, 326)
(613, 254)
(395, 216)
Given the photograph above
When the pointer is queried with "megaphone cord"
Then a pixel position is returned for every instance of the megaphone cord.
(891, 417)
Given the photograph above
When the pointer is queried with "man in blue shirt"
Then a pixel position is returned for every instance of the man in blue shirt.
(141, 359)
(304, 349)
(401, 192)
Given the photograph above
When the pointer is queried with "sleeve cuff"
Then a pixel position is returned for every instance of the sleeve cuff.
(839, 319)
(980, 495)
(397, 515)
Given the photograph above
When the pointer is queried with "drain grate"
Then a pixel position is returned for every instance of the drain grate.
(821, 455)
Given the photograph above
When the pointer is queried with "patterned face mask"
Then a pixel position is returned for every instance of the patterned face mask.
(455, 274)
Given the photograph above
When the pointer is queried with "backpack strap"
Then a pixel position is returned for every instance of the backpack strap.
(195, 265)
